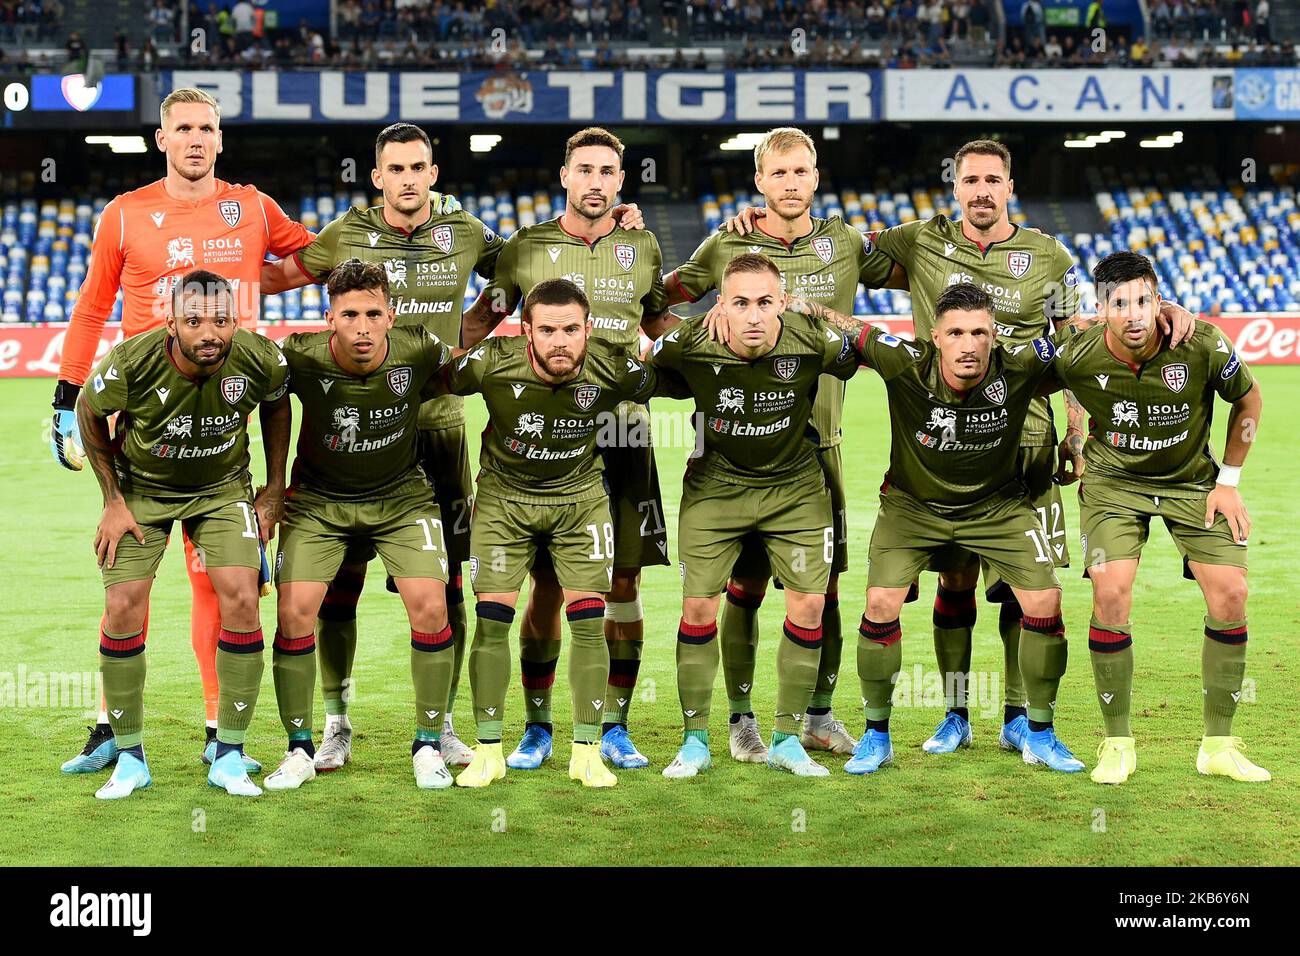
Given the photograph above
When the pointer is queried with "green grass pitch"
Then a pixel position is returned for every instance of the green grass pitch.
(981, 806)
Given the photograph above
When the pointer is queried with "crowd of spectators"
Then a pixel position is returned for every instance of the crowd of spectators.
(597, 34)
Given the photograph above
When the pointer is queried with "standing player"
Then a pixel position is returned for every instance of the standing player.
(181, 454)
(1148, 455)
(822, 260)
(549, 393)
(1033, 282)
(146, 239)
(760, 479)
(428, 251)
(357, 478)
(620, 271)
(957, 406)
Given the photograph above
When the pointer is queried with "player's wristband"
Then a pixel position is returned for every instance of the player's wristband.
(1229, 475)
(65, 396)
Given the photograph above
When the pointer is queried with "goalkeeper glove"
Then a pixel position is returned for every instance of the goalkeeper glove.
(444, 204)
(65, 434)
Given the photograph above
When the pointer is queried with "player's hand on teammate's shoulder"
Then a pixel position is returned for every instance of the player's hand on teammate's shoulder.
(715, 323)
(115, 523)
(1176, 322)
(743, 221)
(269, 505)
(1069, 460)
(1226, 500)
(628, 216)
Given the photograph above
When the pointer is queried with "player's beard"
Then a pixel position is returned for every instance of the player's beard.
(191, 173)
(201, 360)
(558, 372)
(983, 217)
(408, 206)
(587, 213)
(791, 215)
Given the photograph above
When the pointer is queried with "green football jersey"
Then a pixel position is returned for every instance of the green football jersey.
(178, 437)
(428, 270)
(539, 444)
(1149, 428)
(358, 435)
(956, 451)
(621, 274)
(824, 266)
(1031, 277)
(755, 415)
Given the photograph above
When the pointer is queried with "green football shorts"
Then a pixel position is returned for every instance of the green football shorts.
(792, 522)
(1116, 522)
(753, 562)
(507, 536)
(404, 527)
(223, 527)
(909, 536)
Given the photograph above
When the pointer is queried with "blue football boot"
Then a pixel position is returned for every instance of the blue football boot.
(1014, 733)
(1043, 746)
(953, 732)
(692, 758)
(874, 750)
(130, 774)
(534, 749)
(99, 752)
(228, 773)
(210, 752)
(617, 747)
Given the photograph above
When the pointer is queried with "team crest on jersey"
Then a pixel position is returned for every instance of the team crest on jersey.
(442, 238)
(786, 366)
(233, 388)
(586, 395)
(399, 380)
(997, 392)
(473, 568)
(1175, 376)
(824, 248)
(1018, 263)
(625, 255)
(230, 211)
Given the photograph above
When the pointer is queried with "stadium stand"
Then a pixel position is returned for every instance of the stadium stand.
(1217, 250)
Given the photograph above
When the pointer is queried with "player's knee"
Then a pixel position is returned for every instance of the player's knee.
(239, 610)
(696, 610)
(1045, 603)
(804, 610)
(124, 610)
(1228, 599)
(624, 587)
(1111, 599)
(882, 605)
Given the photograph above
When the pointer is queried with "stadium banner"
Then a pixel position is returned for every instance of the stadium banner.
(56, 101)
(1058, 95)
(539, 96)
(34, 351)
(1268, 94)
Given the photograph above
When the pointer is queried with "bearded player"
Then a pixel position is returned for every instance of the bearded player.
(822, 260)
(619, 269)
(184, 393)
(428, 247)
(1148, 455)
(146, 240)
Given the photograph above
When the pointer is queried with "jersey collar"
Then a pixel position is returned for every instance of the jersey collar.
(559, 221)
(986, 249)
(1136, 369)
(532, 364)
(383, 215)
(758, 224)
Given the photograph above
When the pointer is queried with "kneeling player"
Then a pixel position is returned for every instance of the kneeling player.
(549, 393)
(356, 481)
(759, 476)
(1148, 455)
(181, 454)
(957, 405)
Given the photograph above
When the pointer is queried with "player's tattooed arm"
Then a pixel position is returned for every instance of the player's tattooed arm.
(1225, 498)
(656, 325)
(116, 519)
(1070, 463)
(478, 321)
(277, 425)
(845, 323)
(281, 275)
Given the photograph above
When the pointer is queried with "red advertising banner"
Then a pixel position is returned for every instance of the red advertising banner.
(32, 351)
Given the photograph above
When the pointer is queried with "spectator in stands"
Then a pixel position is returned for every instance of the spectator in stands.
(1263, 28)
(1239, 23)
(979, 20)
(960, 21)
(162, 23)
(243, 16)
(76, 48)
(1162, 19)
(875, 19)
(1033, 20)
(1052, 51)
(348, 19)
